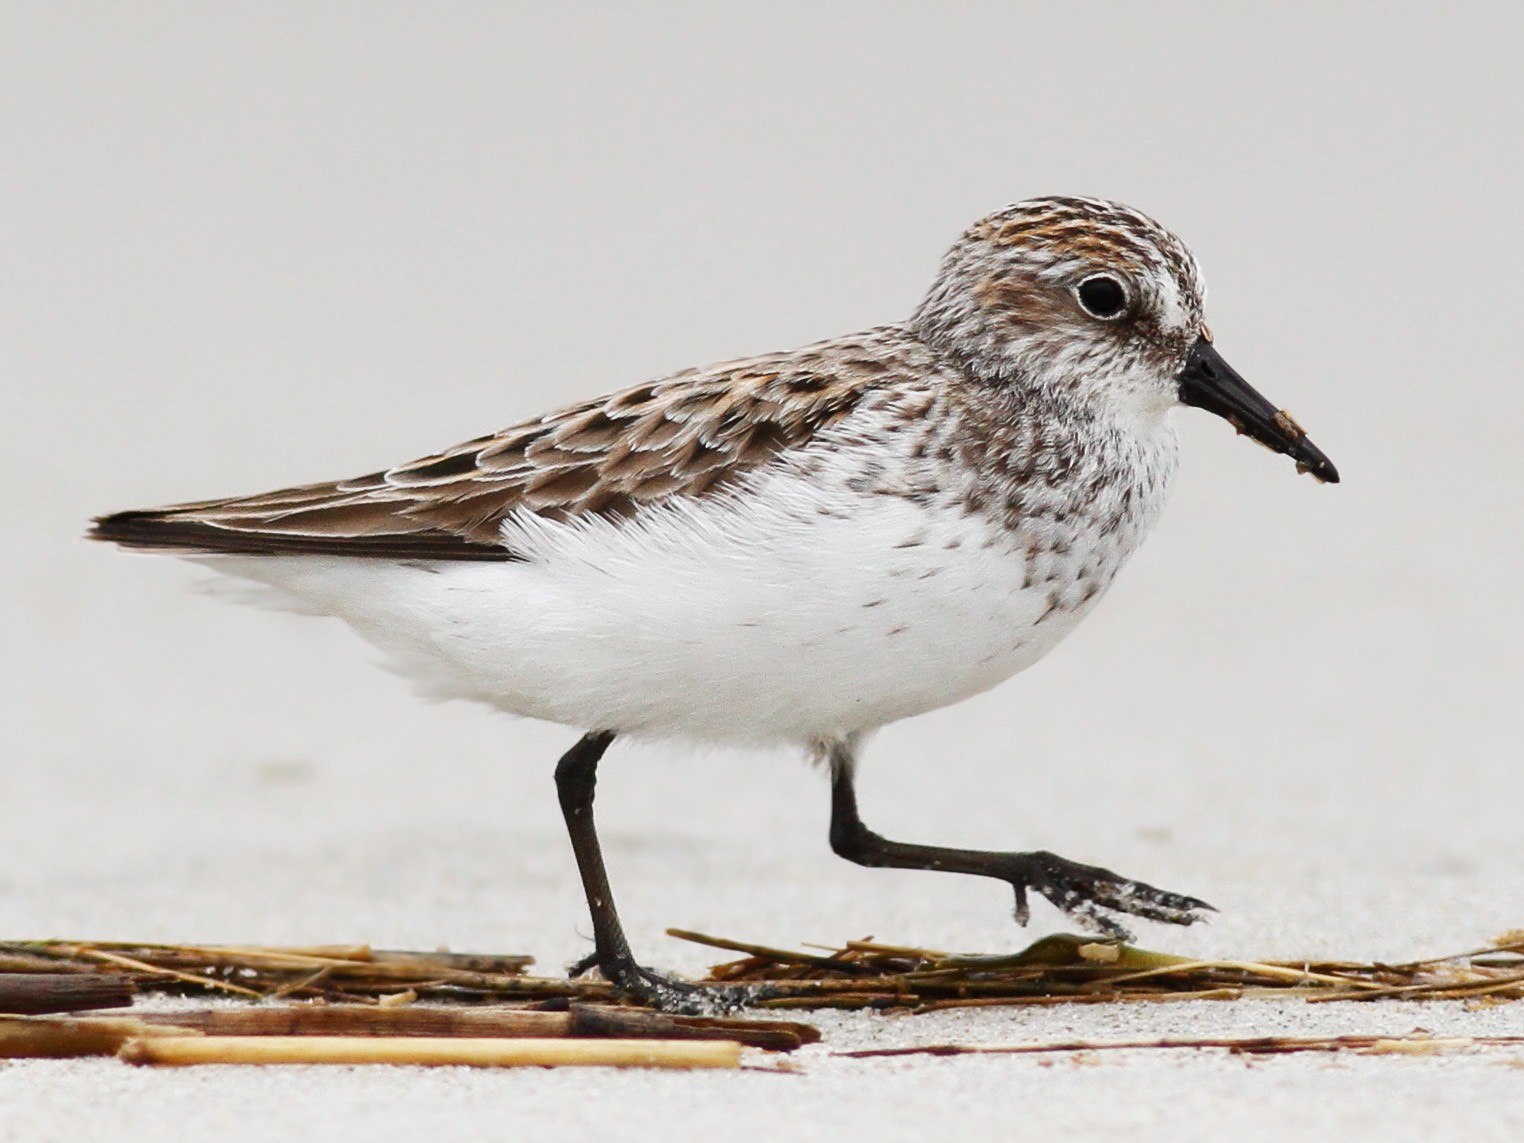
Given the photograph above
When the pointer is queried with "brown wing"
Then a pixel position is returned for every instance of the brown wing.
(688, 435)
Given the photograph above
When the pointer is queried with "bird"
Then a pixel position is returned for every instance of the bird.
(795, 548)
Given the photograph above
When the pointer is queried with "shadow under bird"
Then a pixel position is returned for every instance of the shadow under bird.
(793, 548)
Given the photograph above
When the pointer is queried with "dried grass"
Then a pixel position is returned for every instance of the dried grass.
(1067, 969)
(1060, 969)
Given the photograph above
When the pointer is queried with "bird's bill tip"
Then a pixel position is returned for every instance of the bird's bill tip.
(1208, 382)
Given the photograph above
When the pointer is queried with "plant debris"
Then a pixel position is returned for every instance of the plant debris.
(1059, 969)
(428, 1051)
(1414, 1045)
(37, 993)
(1069, 969)
(337, 974)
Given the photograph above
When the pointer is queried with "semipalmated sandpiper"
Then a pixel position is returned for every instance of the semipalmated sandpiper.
(798, 547)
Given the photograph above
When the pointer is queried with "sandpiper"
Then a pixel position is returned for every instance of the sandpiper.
(793, 548)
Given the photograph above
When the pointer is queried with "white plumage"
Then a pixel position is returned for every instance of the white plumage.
(791, 610)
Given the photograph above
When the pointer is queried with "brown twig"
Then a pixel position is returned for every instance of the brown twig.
(1250, 1045)
(37, 993)
(182, 1051)
(763, 953)
(59, 1037)
(579, 1022)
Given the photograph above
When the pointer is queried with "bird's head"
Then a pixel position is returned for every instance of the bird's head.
(1097, 301)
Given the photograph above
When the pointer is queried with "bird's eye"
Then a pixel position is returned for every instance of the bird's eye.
(1102, 296)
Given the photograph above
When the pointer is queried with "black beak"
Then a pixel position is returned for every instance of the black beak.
(1210, 383)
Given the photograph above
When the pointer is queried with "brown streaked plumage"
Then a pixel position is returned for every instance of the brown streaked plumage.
(689, 434)
(1087, 228)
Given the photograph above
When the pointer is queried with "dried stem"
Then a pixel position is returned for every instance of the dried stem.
(181, 1051)
(1252, 1045)
(35, 993)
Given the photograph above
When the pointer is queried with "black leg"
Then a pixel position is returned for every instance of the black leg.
(1086, 892)
(576, 777)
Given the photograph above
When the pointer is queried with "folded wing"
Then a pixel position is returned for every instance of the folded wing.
(685, 435)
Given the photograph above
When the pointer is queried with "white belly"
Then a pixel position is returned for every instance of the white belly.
(780, 618)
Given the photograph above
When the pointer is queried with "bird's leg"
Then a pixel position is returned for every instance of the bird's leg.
(576, 777)
(1087, 893)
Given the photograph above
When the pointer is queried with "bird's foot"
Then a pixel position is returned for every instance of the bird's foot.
(676, 997)
(1091, 895)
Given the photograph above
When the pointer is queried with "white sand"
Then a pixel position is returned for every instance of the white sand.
(243, 253)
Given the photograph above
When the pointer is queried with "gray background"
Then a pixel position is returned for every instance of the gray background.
(243, 246)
